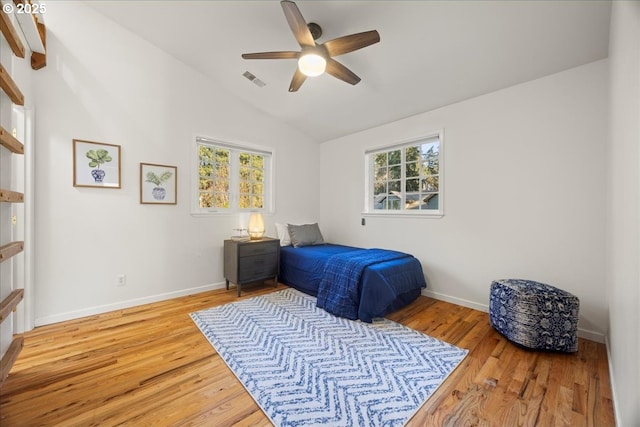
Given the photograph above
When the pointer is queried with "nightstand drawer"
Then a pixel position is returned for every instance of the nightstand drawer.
(258, 267)
(259, 248)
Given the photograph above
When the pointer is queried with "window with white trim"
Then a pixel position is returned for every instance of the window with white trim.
(232, 178)
(405, 179)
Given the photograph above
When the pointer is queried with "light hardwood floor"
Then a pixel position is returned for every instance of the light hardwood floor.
(151, 366)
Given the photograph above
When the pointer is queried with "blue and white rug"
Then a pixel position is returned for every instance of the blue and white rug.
(306, 367)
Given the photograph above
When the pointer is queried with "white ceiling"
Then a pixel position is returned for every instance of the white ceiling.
(431, 53)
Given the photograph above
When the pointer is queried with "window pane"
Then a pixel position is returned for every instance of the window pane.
(257, 161)
(206, 184)
(380, 159)
(245, 172)
(222, 170)
(412, 185)
(205, 167)
(412, 170)
(395, 157)
(431, 158)
(386, 201)
(430, 183)
(256, 202)
(245, 201)
(245, 187)
(221, 186)
(412, 154)
(412, 201)
(394, 186)
(379, 188)
(395, 172)
(429, 201)
(206, 200)
(205, 170)
(221, 200)
(381, 173)
(245, 159)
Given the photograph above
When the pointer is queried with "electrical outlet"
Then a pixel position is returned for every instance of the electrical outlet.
(121, 280)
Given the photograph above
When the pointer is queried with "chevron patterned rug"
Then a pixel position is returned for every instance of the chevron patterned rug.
(306, 367)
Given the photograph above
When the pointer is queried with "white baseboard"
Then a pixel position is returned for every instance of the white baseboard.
(592, 335)
(582, 333)
(456, 300)
(91, 311)
(612, 384)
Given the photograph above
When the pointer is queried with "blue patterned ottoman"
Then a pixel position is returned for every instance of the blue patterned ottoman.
(534, 315)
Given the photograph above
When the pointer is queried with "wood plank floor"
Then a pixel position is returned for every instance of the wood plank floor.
(151, 366)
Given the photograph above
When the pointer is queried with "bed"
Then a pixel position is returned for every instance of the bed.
(382, 286)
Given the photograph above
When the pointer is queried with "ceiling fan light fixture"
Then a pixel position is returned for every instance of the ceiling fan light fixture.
(312, 64)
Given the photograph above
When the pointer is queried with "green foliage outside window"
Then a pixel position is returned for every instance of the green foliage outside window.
(407, 178)
(216, 177)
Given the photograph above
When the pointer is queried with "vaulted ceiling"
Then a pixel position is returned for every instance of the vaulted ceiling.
(431, 53)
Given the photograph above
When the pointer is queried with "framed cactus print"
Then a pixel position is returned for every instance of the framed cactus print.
(158, 184)
(96, 164)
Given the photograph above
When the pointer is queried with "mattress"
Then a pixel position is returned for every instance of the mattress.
(384, 287)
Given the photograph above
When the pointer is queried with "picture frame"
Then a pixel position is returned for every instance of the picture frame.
(96, 164)
(158, 184)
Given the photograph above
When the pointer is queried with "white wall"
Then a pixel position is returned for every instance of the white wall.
(102, 83)
(524, 175)
(623, 219)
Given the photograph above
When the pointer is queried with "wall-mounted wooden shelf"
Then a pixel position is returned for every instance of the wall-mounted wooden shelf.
(7, 306)
(10, 88)
(11, 35)
(39, 60)
(10, 303)
(10, 356)
(10, 249)
(9, 142)
(11, 196)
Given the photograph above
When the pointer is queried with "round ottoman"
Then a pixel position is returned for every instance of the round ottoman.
(534, 315)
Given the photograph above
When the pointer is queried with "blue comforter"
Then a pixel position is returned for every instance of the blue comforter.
(339, 291)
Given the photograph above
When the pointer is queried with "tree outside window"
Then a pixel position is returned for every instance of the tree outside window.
(231, 178)
(406, 178)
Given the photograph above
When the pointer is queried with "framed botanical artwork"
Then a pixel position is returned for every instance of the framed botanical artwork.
(96, 164)
(158, 184)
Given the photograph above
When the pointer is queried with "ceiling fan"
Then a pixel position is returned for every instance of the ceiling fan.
(314, 59)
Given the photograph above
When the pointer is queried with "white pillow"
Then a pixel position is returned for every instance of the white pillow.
(282, 230)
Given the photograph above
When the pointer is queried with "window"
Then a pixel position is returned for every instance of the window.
(406, 178)
(231, 178)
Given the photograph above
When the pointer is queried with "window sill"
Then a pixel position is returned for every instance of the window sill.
(400, 214)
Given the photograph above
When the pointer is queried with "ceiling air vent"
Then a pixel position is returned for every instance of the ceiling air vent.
(256, 81)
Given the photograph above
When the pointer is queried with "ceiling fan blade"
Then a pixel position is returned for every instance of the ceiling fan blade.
(347, 44)
(272, 55)
(341, 72)
(297, 80)
(297, 23)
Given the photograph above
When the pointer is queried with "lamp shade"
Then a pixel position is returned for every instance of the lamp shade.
(256, 226)
(312, 64)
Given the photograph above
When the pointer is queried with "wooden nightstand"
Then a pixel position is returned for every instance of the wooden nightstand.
(251, 261)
